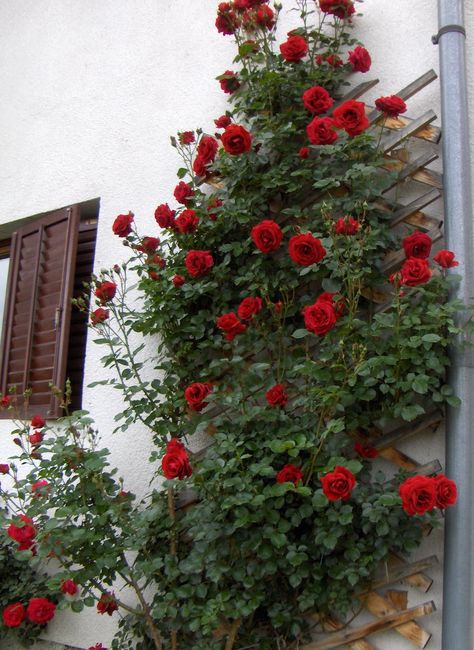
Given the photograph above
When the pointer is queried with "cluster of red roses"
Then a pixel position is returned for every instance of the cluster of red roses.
(249, 15)
(416, 270)
(231, 323)
(175, 463)
(337, 485)
(421, 494)
(38, 610)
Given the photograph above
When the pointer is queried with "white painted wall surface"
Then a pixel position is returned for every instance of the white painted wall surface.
(91, 91)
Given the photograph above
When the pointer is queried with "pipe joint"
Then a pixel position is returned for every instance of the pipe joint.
(445, 30)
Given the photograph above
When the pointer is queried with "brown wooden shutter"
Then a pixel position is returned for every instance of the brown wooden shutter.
(38, 309)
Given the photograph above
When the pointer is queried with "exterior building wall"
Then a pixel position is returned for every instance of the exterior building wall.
(91, 92)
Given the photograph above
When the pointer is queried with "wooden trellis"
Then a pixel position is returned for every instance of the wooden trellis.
(390, 608)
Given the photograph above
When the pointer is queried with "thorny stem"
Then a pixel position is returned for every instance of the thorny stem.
(173, 550)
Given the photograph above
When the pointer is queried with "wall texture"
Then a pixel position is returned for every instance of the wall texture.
(92, 91)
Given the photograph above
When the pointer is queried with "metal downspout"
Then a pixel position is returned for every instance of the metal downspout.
(458, 618)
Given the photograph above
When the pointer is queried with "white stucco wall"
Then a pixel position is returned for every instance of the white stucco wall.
(91, 92)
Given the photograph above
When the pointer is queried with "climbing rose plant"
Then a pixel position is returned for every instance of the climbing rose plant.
(257, 288)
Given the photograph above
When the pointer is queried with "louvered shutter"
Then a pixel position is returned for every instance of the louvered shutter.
(37, 313)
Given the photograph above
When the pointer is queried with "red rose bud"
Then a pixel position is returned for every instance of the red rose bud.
(446, 491)
(289, 474)
(317, 100)
(222, 122)
(321, 131)
(164, 216)
(36, 438)
(338, 484)
(445, 259)
(178, 280)
(230, 325)
(351, 117)
(175, 462)
(236, 140)
(17, 441)
(418, 495)
(116, 269)
(339, 8)
(249, 307)
(13, 615)
(69, 587)
(5, 401)
(122, 225)
(183, 192)
(195, 394)
(332, 60)
(346, 226)
(276, 396)
(4, 468)
(107, 604)
(415, 271)
(278, 306)
(294, 49)
(391, 106)
(198, 263)
(267, 236)
(37, 422)
(187, 221)
(230, 83)
(99, 315)
(105, 291)
(186, 137)
(360, 59)
(365, 452)
(305, 249)
(304, 152)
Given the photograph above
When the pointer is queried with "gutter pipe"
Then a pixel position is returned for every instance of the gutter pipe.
(458, 617)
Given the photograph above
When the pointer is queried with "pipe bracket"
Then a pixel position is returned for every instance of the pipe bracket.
(445, 30)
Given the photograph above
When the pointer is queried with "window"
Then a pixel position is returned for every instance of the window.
(43, 339)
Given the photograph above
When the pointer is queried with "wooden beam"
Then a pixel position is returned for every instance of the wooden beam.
(380, 607)
(402, 570)
(418, 425)
(391, 140)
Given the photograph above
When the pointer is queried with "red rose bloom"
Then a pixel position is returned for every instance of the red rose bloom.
(230, 325)
(187, 221)
(445, 259)
(175, 462)
(267, 236)
(222, 122)
(198, 263)
(230, 83)
(207, 148)
(289, 474)
(186, 137)
(317, 100)
(415, 271)
(227, 21)
(418, 495)
(264, 17)
(148, 245)
(236, 140)
(200, 166)
(338, 8)
(99, 315)
(417, 244)
(4, 468)
(40, 488)
(213, 204)
(13, 615)
(164, 216)
(294, 49)
(105, 291)
(365, 452)
(195, 394)
(107, 604)
(321, 131)
(446, 491)
(69, 587)
(36, 438)
(339, 305)
(351, 117)
(338, 484)
(333, 60)
(360, 59)
(5, 401)
(346, 226)
(178, 280)
(183, 192)
(249, 307)
(37, 422)
(40, 610)
(22, 534)
(304, 152)
(305, 249)
(122, 225)
(391, 106)
(276, 396)
(320, 317)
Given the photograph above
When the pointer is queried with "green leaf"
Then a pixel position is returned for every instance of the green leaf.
(300, 334)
